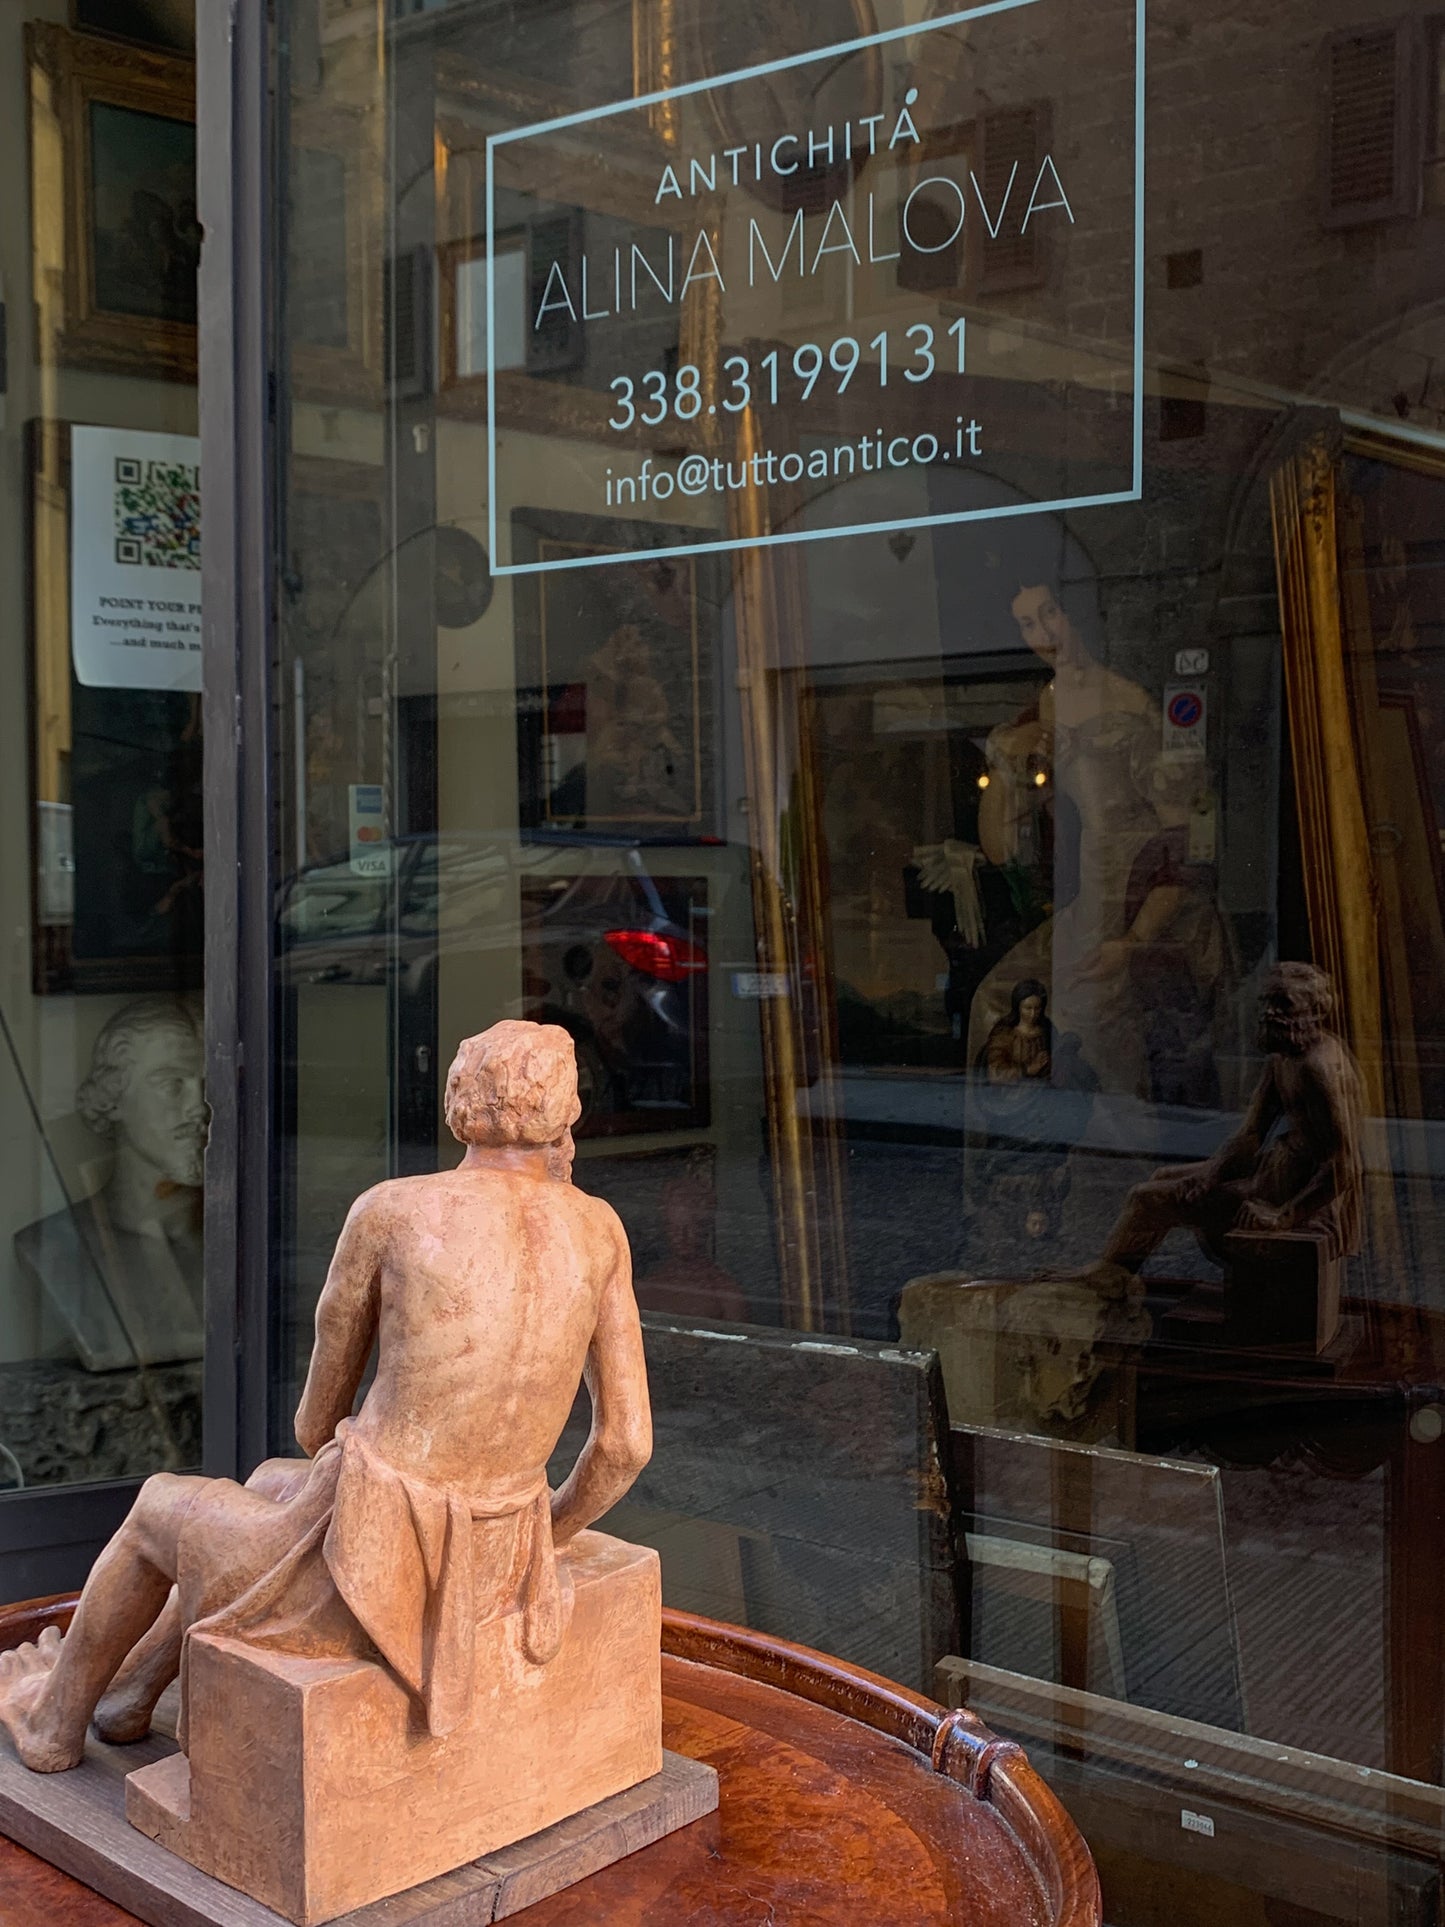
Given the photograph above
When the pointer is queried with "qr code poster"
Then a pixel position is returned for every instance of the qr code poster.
(157, 513)
(135, 568)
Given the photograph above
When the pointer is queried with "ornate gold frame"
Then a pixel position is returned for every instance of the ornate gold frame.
(1341, 891)
(1342, 790)
(356, 136)
(789, 910)
(68, 73)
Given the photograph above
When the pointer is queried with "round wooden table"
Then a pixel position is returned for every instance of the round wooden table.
(846, 1801)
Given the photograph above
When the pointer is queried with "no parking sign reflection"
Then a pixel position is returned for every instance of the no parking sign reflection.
(1186, 713)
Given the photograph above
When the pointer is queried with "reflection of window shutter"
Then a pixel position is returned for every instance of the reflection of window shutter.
(1372, 136)
(1012, 142)
(407, 323)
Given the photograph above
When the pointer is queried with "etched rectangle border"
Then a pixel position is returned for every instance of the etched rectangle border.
(585, 116)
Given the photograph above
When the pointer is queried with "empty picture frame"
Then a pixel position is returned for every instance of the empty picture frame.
(1158, 1527)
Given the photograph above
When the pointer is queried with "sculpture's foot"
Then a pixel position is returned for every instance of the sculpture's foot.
(25, 1712)
(129, 1702)
(1103, 1276)
(1111, 1280)
(124, 1713)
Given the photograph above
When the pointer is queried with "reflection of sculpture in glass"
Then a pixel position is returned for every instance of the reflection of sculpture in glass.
(123, 1268)
(484, 1682)
(1134, 954)
(1033, 1102)
(1061, 1348)
(1293, 1165)
(1020, 1046)
(635, 760)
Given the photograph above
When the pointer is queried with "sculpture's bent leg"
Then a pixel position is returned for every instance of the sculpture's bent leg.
(129, 1702)
(49, 1690)
(1160, 1205)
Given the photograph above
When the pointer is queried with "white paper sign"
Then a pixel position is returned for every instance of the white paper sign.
(135, 569)
(759, 986)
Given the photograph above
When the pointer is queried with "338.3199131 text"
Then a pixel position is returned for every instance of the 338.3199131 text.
(915, 356)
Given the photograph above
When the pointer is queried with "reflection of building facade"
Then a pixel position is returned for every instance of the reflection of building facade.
(724, 573)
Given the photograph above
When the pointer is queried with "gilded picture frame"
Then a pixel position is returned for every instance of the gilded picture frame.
(116, 236)
(334, 282)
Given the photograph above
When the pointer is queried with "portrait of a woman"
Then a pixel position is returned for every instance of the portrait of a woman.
(1134, 953)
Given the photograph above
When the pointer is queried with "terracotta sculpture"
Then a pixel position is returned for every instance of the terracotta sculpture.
(1294, 1164)
(1050, 1358)
(504, 1672)
(123, 1268)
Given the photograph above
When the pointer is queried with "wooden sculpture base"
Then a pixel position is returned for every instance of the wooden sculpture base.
(77, 1822)
(1281, 1290)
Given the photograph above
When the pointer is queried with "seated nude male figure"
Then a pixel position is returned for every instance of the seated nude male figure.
(1293, 1164)
(489, 1290)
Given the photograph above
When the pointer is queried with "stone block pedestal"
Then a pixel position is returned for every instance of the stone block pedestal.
(312, 1786)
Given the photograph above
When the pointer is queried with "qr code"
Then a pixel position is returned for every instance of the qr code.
(157, 513)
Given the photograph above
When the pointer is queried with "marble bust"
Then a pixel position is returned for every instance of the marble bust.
(124, 1268)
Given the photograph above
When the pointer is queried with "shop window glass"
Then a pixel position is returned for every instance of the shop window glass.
(102, 1096)
(881, 566)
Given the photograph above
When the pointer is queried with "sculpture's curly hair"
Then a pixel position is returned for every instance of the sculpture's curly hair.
(1313, 986)
(98, 1099)
(514, 1084)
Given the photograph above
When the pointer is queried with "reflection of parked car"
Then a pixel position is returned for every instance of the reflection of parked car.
(610, 950)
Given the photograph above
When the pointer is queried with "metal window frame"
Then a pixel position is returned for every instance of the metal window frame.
(234, 167)
(50, 1535)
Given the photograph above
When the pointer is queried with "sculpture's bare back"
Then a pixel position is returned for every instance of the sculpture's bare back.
(487, 1289)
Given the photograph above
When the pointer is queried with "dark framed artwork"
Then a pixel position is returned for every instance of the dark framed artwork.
(169, 26)
(616, 711)
(115, 788)
(334, 247)
(336, 547)
(121, 207)
(621, 963)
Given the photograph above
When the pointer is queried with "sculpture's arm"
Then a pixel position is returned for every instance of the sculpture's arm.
(999, 1060)
(620, 1441)
(1237, 1156)
(346, 1316)
(1331, 1128)
(1157, 912)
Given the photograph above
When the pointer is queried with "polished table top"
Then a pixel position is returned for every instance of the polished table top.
(846, 1801)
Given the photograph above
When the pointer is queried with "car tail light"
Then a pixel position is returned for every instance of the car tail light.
(672, 959)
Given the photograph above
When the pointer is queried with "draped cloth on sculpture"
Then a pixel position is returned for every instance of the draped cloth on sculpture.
(401, 1553)
(360, 1559)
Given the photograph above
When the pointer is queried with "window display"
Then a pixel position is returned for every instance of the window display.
(941, 713)
(103, 1109)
